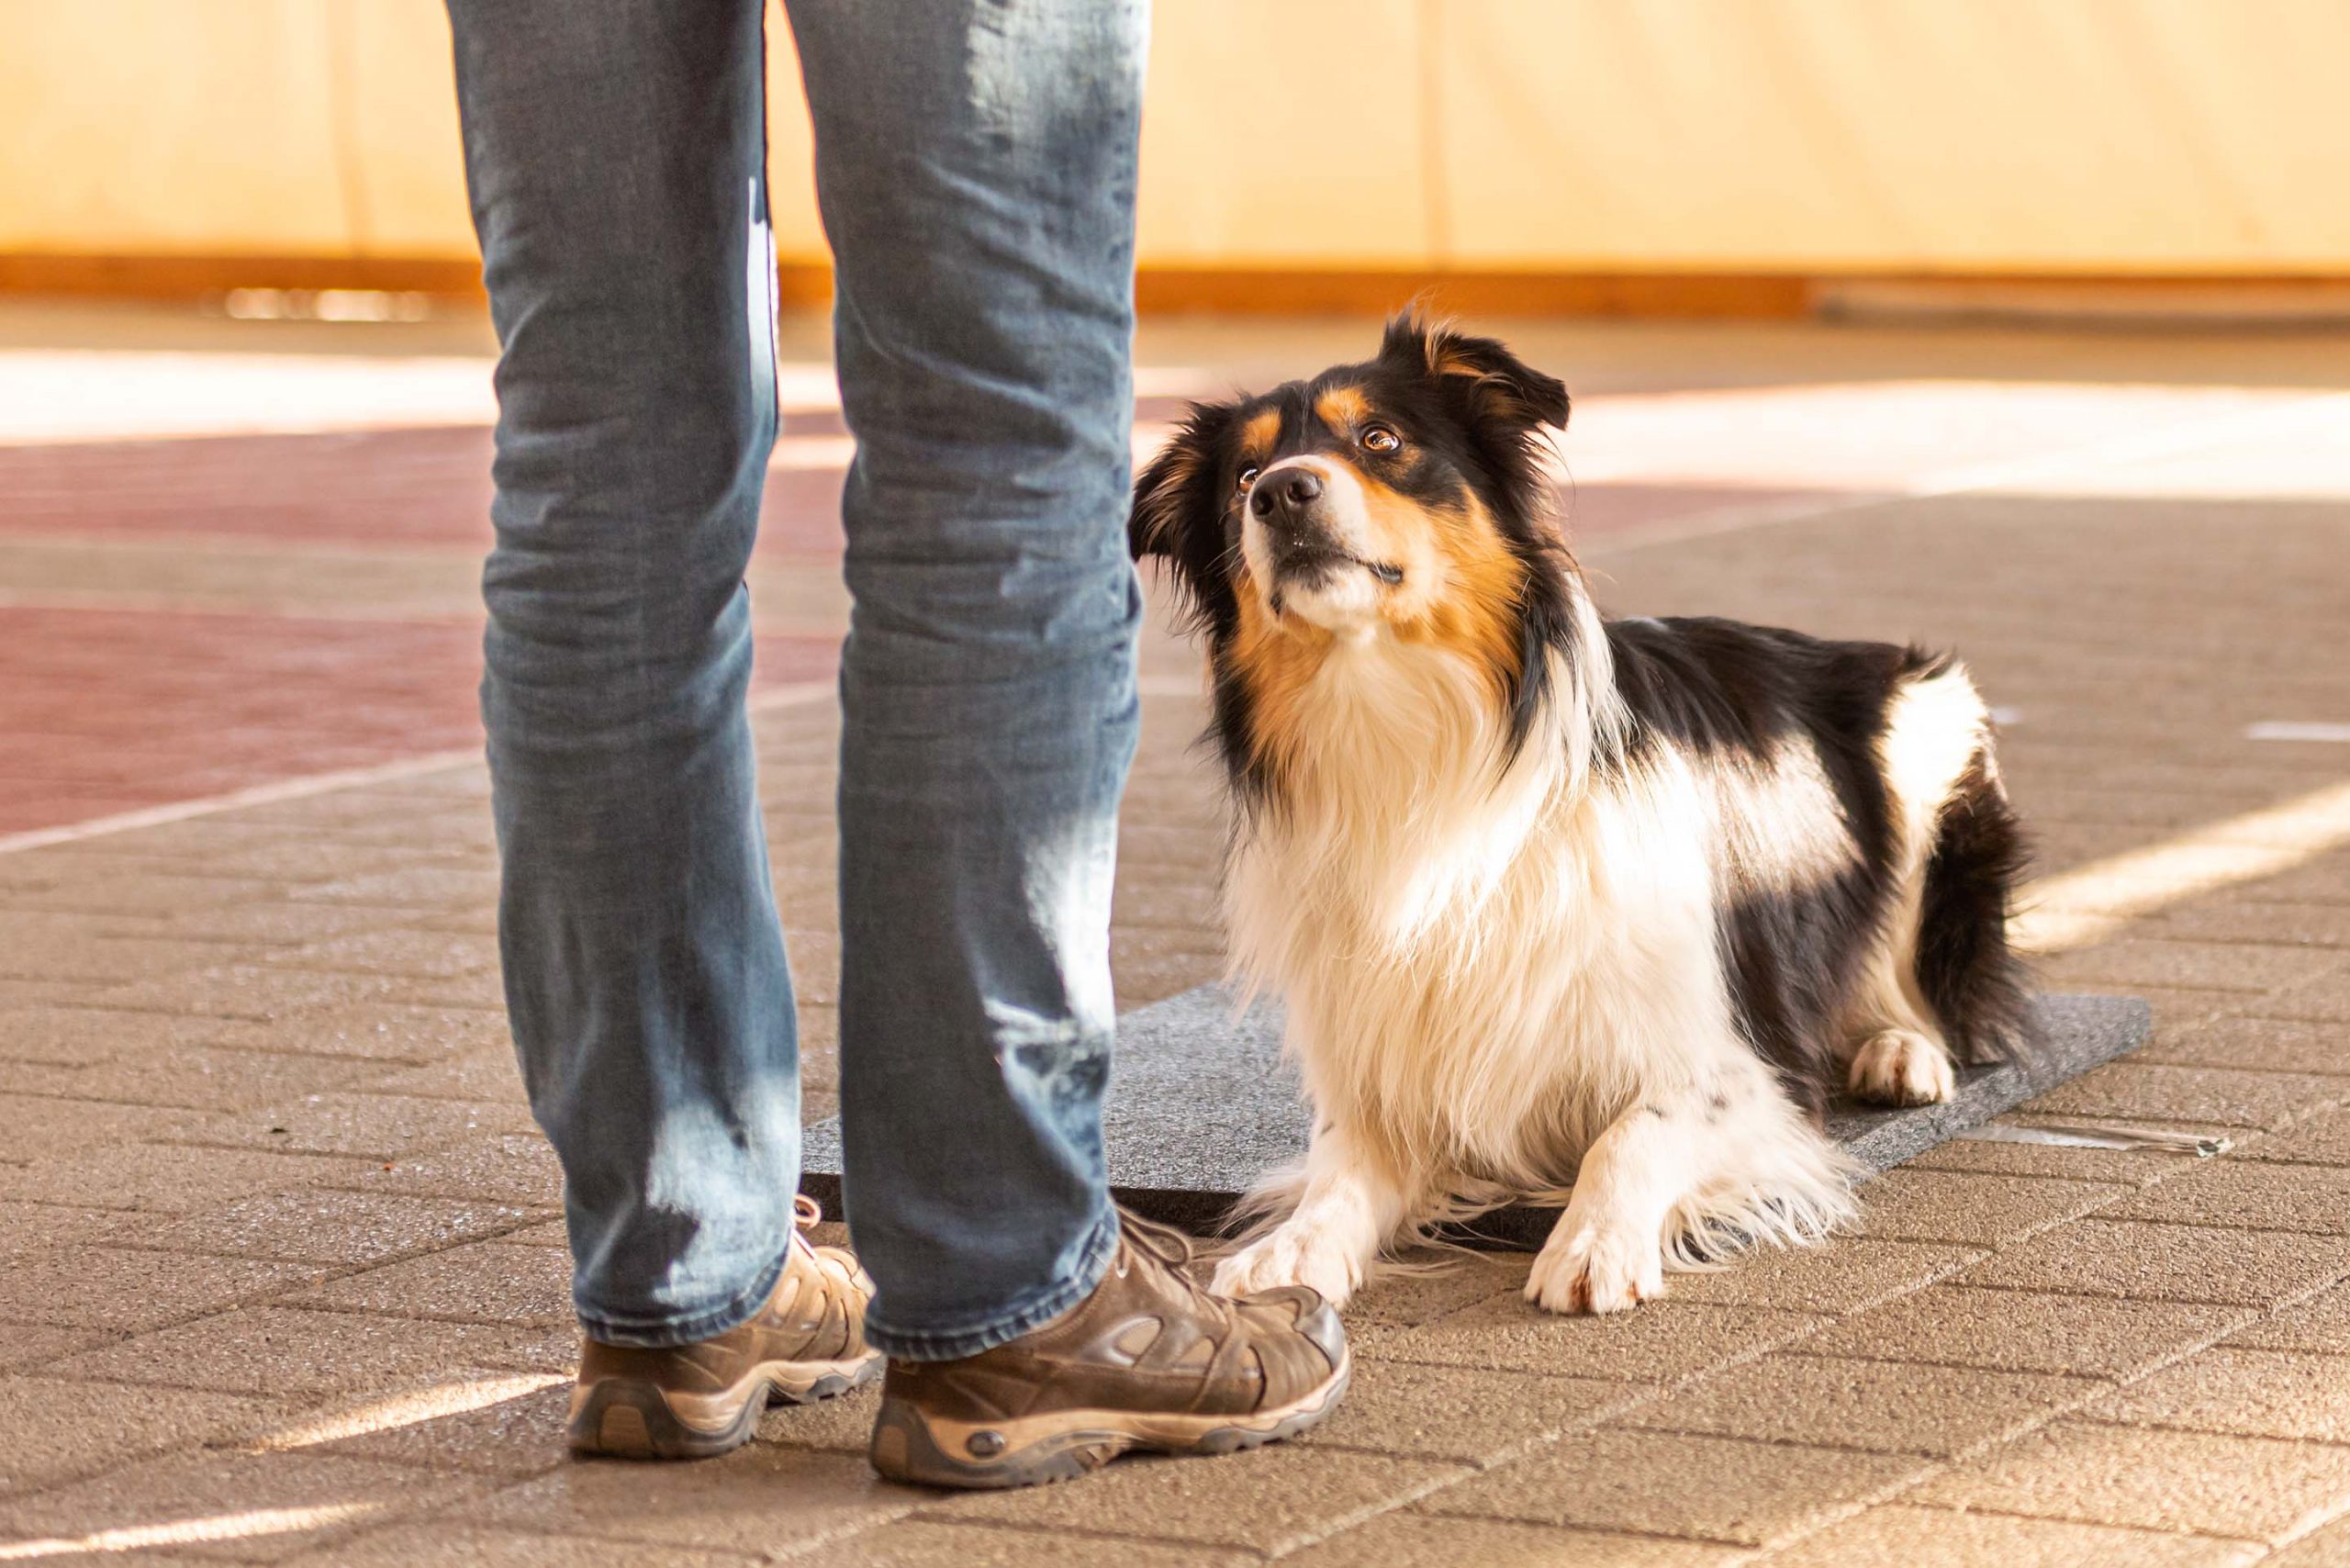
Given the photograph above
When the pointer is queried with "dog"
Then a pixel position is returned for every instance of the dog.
(1553, 900)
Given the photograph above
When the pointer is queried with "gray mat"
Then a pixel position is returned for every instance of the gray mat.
(1200, 1104)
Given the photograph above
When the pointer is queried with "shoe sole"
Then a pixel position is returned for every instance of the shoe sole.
(617, 1417)
(925, 1451)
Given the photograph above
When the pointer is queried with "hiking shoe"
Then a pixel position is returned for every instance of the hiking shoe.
(1149, 1360)
(696, 1401)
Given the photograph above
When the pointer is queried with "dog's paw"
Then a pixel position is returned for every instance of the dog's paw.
(1292, 1255)
(1595, 1269)
(1899, 1068)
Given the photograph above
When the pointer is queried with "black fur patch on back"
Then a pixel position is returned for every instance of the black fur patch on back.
(1728, 695)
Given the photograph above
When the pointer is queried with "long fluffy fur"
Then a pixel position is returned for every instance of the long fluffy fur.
(1601, 910)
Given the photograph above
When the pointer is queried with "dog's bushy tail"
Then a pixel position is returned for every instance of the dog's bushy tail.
(1977, 984)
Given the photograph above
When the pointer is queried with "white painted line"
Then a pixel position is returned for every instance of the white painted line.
(2295, 730)
(2007, 473)
(2086, 904)
(791, 696)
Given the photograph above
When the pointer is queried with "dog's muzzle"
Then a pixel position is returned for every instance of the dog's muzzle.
(1291, 505)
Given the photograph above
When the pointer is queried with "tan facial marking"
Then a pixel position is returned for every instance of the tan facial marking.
(1257, 435)
(1343, 407)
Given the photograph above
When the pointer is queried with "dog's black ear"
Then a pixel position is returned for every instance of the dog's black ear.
(1500, 386)
(1179, 513)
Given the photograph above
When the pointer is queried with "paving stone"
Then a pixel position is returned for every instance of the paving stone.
(2248, 920)
(166, 1177)
(198, 1078)
(292, 1351)
(2272, 1045)
(34, 1227)
(2321, 1324)
(1273, 1500)
(311, 1225)
(1953, 1207)
(2204, 966)
(1985, 1157)
(392, 951)
(486, 1077)
(59, 1430)
(252, 991)
(1939, 1537)
(177, 1500)
(464, 1285)
(557, 1232)
(1418, 1540)
(2326, 1000)
(2322, 1139)
(480, 1420)
(508, 1167)
(415, 886)
(38, 1127)
(2033, 1331)
(272, 923)
(2327, 1548)
(1845, 1275)
(756, 1500)
(1892, 1406)
(844, 1425)
(1435, 1284)
(1662, 1341)
(29, 1347)
(2202, 1096)
(2267, 1393)
(923, 1543)
(1462, 1414)
(2166, 1263)
(2156, 1480)
(368, 1127)
(406, 1546)
(379, 1030)
(74, 1036)
(124, 1289)
(1673, 1484)
(2244, 1194)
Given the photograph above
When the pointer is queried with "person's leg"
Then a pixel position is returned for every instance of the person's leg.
(976, 167)
(616, 153)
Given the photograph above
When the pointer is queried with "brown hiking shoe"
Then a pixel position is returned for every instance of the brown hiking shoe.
(1149, 1360)
(699, 1400)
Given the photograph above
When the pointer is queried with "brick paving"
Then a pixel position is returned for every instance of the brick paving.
(280, 1268)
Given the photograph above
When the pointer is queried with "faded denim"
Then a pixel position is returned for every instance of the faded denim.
(976, 168)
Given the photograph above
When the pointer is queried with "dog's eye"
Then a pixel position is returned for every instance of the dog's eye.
(1379, 438)
(1247, 475)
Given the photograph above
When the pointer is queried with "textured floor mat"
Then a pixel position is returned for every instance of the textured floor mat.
(1200, 1104)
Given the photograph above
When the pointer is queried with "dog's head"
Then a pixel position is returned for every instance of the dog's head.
(1404, 498)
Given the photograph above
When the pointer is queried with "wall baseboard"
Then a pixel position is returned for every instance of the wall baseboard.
(2054, 299)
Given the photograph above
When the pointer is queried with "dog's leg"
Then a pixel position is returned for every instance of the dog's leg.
(1730, 1162)
(1605, 1253)
(1350, 1206)
(1896, 1056)
(1902, 1067)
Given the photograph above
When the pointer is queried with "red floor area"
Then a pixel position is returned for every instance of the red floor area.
(109, 711)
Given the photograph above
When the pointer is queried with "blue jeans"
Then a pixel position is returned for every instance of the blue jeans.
(976, 168)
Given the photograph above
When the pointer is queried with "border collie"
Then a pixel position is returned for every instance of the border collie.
(1552, 900)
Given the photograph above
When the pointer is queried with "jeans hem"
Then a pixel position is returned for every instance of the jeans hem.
(669, 1333)
(954, 1344)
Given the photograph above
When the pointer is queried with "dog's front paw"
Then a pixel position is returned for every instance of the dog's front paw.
(1898, 1067)
(1292, 1255)
(1595, 1269)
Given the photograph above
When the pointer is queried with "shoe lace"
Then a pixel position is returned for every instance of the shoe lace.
(1165, 1244)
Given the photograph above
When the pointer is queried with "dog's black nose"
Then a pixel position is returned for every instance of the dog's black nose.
(1290, 491)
